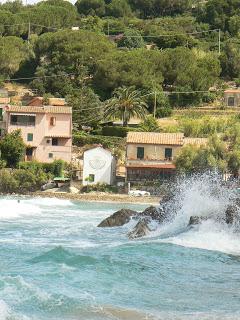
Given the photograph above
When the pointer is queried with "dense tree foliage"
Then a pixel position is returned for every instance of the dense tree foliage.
(153, 45)
(125, 104)
(12, 148)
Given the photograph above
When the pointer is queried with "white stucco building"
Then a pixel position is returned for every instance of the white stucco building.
(99, 166)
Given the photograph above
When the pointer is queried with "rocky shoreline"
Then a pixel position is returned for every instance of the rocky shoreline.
(165, 213)
(97, 197)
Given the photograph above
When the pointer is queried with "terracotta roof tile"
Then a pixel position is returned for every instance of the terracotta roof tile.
(35, 109)
(156, 138)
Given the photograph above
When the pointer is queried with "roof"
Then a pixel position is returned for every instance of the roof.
(36, 109)
(152, 166)
(232, 91)
(61, 179)
(196, 141)
(100, 148)
(176, 139)
(58, 136)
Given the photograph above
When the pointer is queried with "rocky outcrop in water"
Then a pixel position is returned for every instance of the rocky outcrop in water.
(118, 218)
(123, 216)
(194, 220)
(232, 213)
(140, 230)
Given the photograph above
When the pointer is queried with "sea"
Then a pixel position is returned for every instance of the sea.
(55, 263)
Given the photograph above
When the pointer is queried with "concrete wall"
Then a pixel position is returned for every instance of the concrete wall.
(101, 164)
(234, 95)
(151, 152)
(42, 132)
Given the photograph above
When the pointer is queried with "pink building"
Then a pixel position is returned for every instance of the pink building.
(46, 130)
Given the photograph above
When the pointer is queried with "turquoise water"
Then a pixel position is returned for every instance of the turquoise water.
(56, 264)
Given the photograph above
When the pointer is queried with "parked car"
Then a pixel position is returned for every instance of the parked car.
(138, 193)
(49, 185)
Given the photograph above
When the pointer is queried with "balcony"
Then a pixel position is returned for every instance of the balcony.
(137, 163)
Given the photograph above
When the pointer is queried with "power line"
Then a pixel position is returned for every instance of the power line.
(171, 35)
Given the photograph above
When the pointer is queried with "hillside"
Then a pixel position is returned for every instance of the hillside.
(172, 50)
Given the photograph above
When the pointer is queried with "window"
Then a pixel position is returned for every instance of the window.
(168, 153)
(22, 120)
(52, 121)
(91, 178)
(29, 137)
(50, 155)
(140, 153)
(231, 102)
(48, 140)
(54, 141)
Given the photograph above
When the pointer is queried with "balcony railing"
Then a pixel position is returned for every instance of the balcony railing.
(149, 162)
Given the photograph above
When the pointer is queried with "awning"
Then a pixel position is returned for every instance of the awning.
(23, 114)
(61, 179)
(58, 136)
(154, 166)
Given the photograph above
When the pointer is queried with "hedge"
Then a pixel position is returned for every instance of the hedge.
(80, 140)
(117, 131)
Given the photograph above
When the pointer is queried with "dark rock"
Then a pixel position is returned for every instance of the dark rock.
(231, 214)
(153, 213)
(140, 230)
(118, 219)
(194, 220)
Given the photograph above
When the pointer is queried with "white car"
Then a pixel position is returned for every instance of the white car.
(138, 193)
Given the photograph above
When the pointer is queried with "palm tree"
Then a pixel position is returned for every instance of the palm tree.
(125, 104)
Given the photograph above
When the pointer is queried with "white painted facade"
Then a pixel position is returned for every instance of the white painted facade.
(99, 166)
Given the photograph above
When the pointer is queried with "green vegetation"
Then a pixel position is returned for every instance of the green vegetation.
(151, 45)
(17, 176)
(12, 148)
(123, 59)
(125, 104)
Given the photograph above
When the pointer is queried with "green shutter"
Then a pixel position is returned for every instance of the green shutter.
(168, 153)
(29, 137)
(140, 153)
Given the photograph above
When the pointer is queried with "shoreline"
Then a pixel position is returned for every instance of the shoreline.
(97, 197)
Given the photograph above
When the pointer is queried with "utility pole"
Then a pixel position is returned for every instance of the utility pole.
(155, 104)
(108, 32)
(219, 41)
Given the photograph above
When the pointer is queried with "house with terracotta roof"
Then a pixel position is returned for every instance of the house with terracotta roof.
(232, 97)
(150, 156)
(46, 130)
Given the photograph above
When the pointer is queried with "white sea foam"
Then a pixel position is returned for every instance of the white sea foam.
(50, 202)
(11, 209)
(4, 310)
(201, 196)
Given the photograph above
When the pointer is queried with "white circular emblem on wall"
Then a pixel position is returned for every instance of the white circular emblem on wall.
(97, 163)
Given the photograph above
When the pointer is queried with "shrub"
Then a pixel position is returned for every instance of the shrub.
(30, 180)
(107, 142)
(56, 168)
(8, 183)
(164, 112)
(100, 187)
(150, 124)
(12, 148)
(116, 131)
